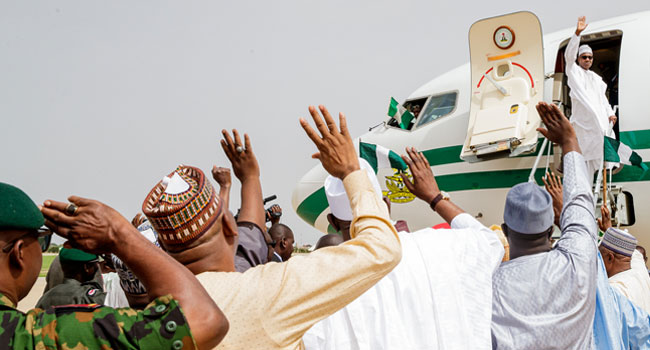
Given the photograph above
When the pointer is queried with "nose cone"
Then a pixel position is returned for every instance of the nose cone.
(308, 198)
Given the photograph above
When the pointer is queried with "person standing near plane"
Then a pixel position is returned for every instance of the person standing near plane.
(591, 112)
(545, 297)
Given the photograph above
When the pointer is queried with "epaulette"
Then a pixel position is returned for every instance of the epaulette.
(70, 308)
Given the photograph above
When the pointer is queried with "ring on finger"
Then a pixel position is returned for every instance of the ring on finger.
(71, 209)
(239, 149)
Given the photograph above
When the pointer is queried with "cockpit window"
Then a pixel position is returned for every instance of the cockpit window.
(438, 106)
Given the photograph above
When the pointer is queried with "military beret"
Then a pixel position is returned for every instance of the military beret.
(71, 254)
(18, 210)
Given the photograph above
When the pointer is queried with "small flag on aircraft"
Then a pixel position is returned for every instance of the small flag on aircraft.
(399, 113)
(618, 152)
(380, 157)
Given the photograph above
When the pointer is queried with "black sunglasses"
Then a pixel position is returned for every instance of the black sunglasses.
(587, 57)
(43, 234)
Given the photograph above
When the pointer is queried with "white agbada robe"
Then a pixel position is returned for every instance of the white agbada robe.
(590, 110)
(634, 283)
(438, 297)
(115, 296)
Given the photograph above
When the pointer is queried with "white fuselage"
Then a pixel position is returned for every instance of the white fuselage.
(480, 188)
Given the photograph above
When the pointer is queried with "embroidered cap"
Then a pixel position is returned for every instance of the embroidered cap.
(619, 241)
(182, 206)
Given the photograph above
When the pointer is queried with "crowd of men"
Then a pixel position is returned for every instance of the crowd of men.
(188, 274)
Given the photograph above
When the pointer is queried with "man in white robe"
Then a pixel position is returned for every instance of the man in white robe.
(591, 113)
(438, 297)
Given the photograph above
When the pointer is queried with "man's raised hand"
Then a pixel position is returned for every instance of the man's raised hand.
(558, 129)
(605, 221)
(553, 185)
(94, 227)
(582, 24)
(424, 184)
(241, 156)
(221, 176)
(335, 148)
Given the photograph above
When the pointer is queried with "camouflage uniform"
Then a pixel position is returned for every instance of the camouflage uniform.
(72, 291)
(161, 325)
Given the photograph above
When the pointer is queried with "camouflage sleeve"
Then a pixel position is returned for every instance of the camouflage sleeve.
(161, 325)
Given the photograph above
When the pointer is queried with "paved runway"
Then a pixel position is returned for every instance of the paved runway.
(30, 300)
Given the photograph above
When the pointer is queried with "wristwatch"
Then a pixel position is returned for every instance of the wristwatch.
(441, 196)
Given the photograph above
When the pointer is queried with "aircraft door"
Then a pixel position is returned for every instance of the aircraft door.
(507, 68)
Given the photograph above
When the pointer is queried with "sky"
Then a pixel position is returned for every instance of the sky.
(102, 99)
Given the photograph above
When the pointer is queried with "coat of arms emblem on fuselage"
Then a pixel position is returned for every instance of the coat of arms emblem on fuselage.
(397, 191)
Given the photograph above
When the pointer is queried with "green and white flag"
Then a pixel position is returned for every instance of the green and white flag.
(399, 113)
(618, 152)
(380, 157)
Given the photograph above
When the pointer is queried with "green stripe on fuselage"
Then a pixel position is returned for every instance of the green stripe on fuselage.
(314, 204)
(637, 139)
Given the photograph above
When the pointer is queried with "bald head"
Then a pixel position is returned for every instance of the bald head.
(282, 235)
(329, 240)
(279, 231)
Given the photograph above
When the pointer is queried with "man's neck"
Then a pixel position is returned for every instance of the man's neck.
(8, 292)
(11, 298)
(518, 251)
(620, 267)
(205, 257)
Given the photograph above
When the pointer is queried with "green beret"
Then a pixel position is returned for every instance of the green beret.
(18, 210)
(72, 254)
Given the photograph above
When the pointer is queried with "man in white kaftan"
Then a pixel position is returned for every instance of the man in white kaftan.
(438, 296)
(591, 112)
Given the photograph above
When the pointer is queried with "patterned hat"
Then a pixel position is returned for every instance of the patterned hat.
(619, 241)
(128, 281)
(182, 206)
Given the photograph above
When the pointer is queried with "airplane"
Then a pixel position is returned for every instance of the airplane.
(477, 122)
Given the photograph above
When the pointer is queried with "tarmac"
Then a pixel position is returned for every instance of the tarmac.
(31, 299)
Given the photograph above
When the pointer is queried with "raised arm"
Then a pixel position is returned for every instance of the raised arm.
(425, 187)
(96, 228)
(316, 285)
(222, 177)
(247, 170)
(571, 51)
(578, 211)
(553, 185)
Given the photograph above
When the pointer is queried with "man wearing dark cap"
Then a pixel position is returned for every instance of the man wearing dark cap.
(96, 228)
(78, 287)
(271, 306)
(544, 298)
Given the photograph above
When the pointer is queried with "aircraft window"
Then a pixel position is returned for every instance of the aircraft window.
(413, 106)
(437, 107)
(503, 70)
